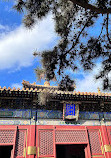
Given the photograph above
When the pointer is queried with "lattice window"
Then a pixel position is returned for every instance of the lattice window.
(20, 143)
(46, 142)
(109, 131)
(7, 136)
(94, 141)
(71, 136)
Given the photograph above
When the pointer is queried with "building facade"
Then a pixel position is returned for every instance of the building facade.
(69, 125)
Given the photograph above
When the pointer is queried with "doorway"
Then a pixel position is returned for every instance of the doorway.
(70, 151)
(5, 151)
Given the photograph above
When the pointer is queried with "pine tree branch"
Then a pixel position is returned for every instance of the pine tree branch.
(91, 7)
(107, 29)
(101, 30)
(74, 43)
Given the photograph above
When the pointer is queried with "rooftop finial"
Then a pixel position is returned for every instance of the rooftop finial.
(34, 83)
(46, 83)
(99, 90)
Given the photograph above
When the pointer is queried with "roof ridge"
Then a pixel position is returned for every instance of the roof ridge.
(56, 91)
(46, 84)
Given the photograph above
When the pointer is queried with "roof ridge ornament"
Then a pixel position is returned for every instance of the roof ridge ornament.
(99, 92)
(34, 84)
(46, 83)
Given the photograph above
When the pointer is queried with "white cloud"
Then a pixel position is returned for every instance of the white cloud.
(4, 29)
(17, 46)
(89, 83)
(17, 85)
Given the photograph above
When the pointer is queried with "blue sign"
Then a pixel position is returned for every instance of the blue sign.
(70, 109)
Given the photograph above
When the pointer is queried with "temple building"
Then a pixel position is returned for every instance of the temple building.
(40, 121)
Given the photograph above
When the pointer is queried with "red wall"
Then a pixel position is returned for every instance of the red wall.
(46, 137)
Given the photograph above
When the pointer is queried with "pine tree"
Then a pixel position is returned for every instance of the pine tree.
(77, 47)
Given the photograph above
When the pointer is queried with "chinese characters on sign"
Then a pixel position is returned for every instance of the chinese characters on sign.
(70, 109)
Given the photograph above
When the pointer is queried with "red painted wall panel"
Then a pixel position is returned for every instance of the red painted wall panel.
(48, 135)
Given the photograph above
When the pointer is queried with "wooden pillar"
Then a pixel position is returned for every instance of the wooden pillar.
(32, 142)
(87, 148)
(54, 144)
(105, 141)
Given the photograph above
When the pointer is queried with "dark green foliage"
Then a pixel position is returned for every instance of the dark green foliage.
(50, 65)
(73, 20)
(66, 84)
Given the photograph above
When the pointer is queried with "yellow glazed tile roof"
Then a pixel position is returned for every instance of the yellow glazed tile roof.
(28, 87)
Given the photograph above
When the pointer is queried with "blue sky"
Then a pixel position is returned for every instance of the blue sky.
(17, 45)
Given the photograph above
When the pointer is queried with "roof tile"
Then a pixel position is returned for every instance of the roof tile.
(9, 88)
(14, 88)
(50, 89)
